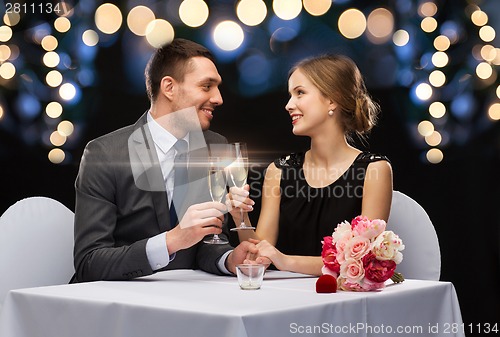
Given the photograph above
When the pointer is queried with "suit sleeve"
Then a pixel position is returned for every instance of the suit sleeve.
(96, 254)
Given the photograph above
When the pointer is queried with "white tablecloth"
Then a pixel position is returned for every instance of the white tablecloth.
(194, 303)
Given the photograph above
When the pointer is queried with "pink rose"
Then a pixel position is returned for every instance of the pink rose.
(368, 229)
(356, 247)
(352, 270)
(376, 270)
(344, 284)
(371, 286)
(329, 255)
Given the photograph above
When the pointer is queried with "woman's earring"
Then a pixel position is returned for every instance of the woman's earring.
(330, 112)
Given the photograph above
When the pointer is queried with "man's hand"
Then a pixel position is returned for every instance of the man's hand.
(239, 255)
(198, 221)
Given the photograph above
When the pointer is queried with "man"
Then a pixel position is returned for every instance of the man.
(125, 226)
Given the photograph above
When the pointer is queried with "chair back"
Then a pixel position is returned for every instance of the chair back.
(36, 245)
(421, 256)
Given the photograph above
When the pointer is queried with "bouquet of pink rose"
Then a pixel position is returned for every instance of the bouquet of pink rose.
(362, 255)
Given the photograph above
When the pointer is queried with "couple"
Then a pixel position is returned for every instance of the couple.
(123, 224)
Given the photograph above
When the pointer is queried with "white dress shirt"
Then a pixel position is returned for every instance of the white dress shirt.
(156, 247)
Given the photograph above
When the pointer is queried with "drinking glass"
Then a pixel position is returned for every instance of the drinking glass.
(238, 171)
(217, 181)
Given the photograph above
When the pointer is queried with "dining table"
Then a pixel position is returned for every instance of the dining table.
(193, 303)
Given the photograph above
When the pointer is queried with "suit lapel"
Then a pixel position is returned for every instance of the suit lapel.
(147, 171)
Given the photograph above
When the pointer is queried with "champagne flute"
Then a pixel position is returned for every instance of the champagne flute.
(217, 181)
(238, 171)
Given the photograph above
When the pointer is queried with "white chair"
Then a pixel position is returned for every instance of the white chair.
(36, 245)
(421, 256)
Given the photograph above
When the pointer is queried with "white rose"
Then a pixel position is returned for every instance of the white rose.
(342, 232)
(388, 246)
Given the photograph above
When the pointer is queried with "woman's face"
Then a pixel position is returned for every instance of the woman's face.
(307, 107)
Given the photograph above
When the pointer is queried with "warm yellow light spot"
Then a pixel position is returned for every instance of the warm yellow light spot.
(57, 139)
(56, 156)
(49, 43)
(352, 23)
(90, 37)
(423, 91)
(442, 43)
(11, 19)
(428, 24)
(14, 52)
(251, 12)
(228, 35)
(380, 25)
(54, 109)
(62, 24)
(425, 128)
(496, 60)
(427, 9)
(51, 59)
(479, 18)
(437, 109)
(484, 70)
(488, 53)
(317, 7)
(437, 78)
(67, 91)
(435, 156)
(159, 32)
(494, 112)
(440, 59)
(193, 13)
(401, 38)
(5, 33)
(5, 53)
(108, 18)
(139, 18)
(1, 112)
(287, 9)
(65, 128)
(7, 70)
(487, 33)
(54, 78)
(498, 91)
(434, 139)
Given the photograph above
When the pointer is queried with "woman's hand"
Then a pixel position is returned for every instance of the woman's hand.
(268, 253)
(237, 200)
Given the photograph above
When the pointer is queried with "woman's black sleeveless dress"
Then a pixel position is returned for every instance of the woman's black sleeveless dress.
(308, 214)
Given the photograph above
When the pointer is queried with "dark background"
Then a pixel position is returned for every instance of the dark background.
(461, 194)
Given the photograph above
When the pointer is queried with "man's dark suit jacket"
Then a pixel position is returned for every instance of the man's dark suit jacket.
(121, 202)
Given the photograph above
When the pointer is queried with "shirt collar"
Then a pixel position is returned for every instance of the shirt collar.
(161, 137)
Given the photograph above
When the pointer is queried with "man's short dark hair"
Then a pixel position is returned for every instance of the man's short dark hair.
(172, 60)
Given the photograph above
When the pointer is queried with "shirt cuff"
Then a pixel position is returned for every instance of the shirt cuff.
(222, 263)
(157, 251)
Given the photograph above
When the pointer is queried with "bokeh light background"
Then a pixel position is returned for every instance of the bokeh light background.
(73, 70)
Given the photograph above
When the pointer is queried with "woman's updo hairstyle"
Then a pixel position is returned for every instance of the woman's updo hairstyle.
(338, 78)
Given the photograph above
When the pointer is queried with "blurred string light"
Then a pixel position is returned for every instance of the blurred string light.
(423, 36)
(287, 9)
(228, 35)
(441, 82)
(139, 18)
(193, 13)
(352, 23)
(251, 12)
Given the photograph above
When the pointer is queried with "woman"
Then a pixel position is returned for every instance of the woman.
(305, 195)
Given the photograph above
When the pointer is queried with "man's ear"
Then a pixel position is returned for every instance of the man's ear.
(167, 87)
